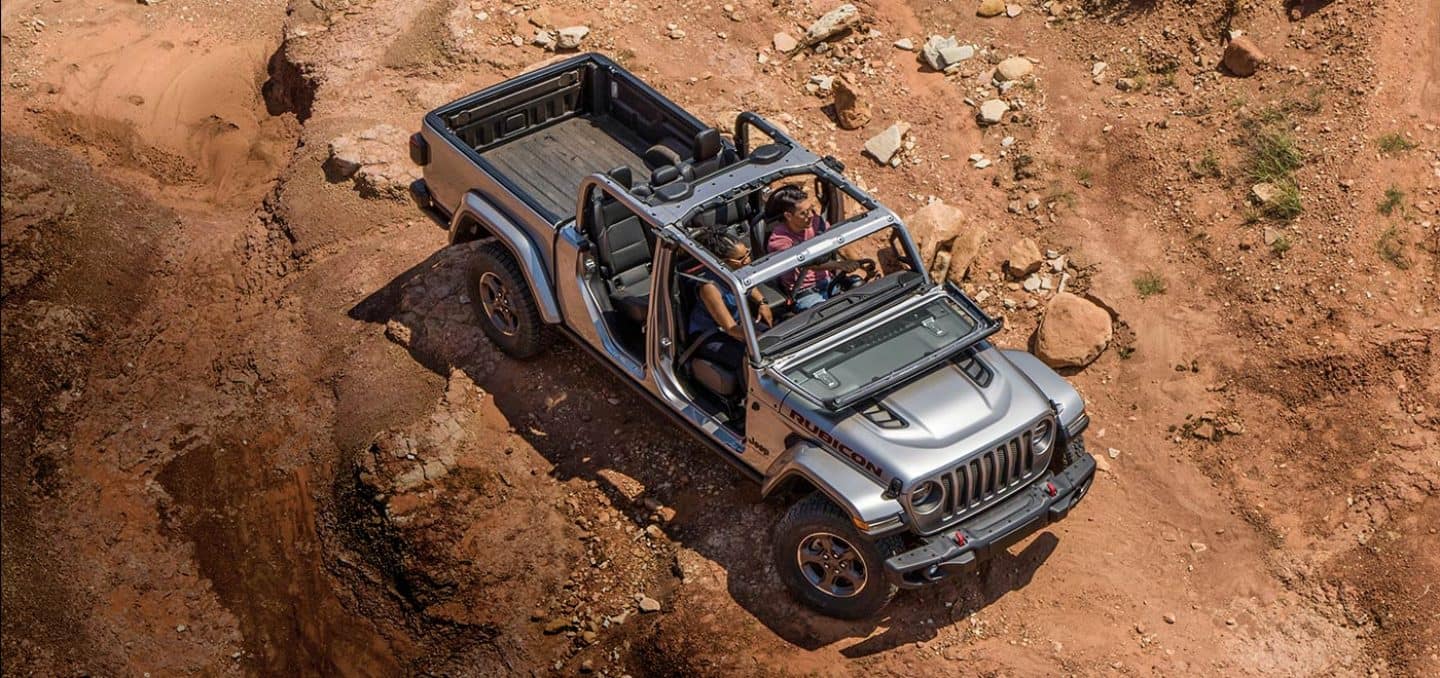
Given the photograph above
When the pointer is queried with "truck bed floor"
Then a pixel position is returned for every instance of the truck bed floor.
(551, 162)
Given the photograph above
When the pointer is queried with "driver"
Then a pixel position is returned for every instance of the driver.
(796, 218)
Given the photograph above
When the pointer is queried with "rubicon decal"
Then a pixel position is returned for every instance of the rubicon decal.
(835, 444)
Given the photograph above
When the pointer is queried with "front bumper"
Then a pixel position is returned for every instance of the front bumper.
(987, 533)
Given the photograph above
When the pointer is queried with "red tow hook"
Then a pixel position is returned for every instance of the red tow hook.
(1050, 489)
(960, 537)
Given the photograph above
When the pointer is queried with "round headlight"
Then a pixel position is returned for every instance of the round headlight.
(927, 498)
(1042, 437)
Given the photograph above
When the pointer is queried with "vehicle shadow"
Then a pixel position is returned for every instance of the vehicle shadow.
(590, 426)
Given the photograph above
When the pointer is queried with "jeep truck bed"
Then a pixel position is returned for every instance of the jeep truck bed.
(538, 135)
(550, 162)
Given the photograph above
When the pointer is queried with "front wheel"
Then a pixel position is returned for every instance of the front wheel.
(502, 302)
(828, 564)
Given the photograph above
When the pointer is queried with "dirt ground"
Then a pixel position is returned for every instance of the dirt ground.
(250, 427)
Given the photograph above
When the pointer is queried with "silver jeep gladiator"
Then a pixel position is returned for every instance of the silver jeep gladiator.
(910, 447)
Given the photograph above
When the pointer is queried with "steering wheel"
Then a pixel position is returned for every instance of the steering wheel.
(845, 282)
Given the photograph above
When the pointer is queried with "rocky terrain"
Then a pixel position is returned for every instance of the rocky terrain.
(249, 425)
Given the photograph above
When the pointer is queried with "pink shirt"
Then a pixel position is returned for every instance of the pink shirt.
(782, 238)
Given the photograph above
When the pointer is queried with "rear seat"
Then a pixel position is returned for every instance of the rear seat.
(624, 254)
(711, 155)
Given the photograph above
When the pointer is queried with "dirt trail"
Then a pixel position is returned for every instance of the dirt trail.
(251, 428)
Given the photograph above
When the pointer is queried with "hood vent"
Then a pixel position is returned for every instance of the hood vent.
(883, 417)
(976, 370)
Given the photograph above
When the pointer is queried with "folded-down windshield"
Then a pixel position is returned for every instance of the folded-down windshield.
(844, 371)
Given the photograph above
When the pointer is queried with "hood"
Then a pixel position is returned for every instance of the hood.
(948, 415)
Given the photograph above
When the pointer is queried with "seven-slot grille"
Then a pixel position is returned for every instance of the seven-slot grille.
(990, 475)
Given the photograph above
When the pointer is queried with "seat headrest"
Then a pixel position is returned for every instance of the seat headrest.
(707, 144)
(664, 174)
(737, 211)
(675, 190)
(660, 155)
(622, 175)
(767, 153)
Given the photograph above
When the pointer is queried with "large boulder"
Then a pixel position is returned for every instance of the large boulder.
(934, 227)
(376, 160)
(1243, 57)
(963, 252)
(852, 109)
(1024, 258)
(1073, 332)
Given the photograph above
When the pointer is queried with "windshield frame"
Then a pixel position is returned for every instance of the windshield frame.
(741, 281)
(985, 327)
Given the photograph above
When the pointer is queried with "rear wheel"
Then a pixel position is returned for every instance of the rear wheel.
(502, 302)
(827, 564)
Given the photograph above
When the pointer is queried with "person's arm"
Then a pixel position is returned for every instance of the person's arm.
(715, 306)
(836, 266)
(762, 308)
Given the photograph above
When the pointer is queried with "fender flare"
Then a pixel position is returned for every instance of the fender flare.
(854, 492)
(532, 265)
(1056, 389)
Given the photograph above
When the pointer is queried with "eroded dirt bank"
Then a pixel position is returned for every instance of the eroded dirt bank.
(249, 426)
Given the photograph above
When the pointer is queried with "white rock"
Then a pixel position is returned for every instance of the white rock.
(1013, 11)
(993, 111)
(982, 163)
(885, 145)
(1265, 193)
(930, 51)
(570, 37)
(1013, 68)
(1098, 68)
(833, 23)
(906, 44)
(784, 42)
(950, 56)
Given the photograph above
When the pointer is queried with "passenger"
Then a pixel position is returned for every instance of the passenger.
(796, 218)
(716, 307)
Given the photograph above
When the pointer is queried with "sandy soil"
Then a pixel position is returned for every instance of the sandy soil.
(249, 425)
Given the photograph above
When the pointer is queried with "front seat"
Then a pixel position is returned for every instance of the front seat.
(719, 380)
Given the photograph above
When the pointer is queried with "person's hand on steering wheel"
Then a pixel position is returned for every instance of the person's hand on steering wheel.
(847, 279)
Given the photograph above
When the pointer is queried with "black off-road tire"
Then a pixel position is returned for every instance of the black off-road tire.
(512, 322)
(806, 524)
